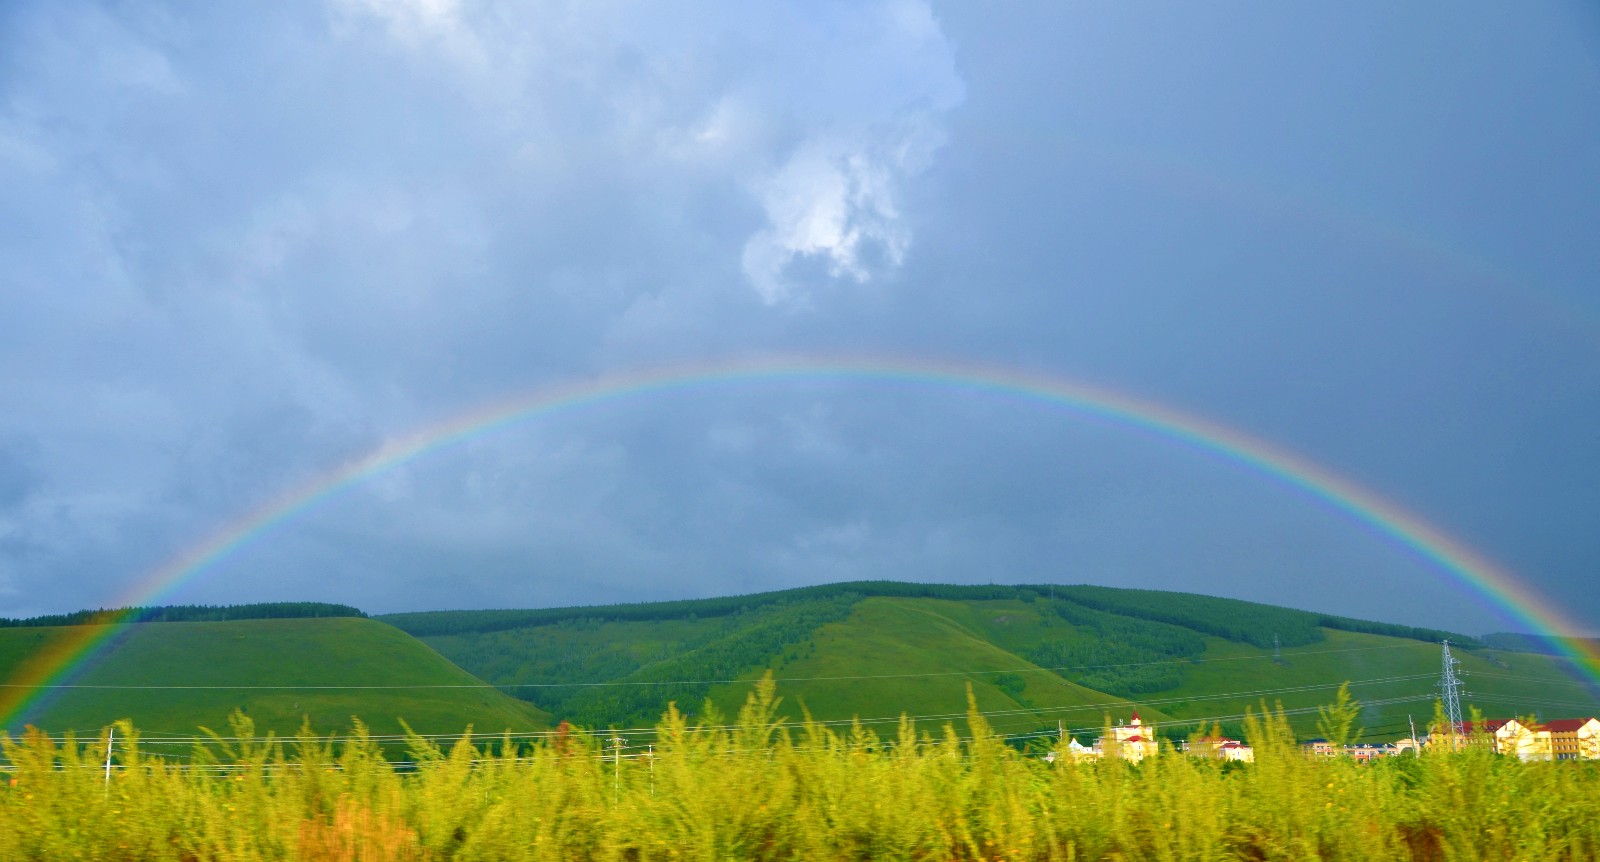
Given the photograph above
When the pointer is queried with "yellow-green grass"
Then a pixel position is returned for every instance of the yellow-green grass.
(279, 672)
(762, 792)
(916, 657)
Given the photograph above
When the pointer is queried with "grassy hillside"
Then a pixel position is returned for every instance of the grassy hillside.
(919, 656)
(276, 671)
(1035, 655)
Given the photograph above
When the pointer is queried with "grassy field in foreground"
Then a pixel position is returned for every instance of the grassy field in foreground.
(761, 791)
(279, 672)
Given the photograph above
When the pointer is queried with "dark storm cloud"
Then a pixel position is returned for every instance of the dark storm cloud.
(247, 245)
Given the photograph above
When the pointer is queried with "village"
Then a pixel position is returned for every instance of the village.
(1527, 740)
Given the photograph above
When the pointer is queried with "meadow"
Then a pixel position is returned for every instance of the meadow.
(169, 677)
(759, 787)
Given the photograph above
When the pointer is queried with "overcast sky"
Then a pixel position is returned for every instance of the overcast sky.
(243, 244)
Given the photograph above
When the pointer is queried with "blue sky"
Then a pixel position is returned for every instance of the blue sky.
(247, 243)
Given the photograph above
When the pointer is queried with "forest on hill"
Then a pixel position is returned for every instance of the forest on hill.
(1232, 619)
(188, 614)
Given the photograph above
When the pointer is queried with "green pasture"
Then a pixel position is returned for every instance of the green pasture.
(169, 678)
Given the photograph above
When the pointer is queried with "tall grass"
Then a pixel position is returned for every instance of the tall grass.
(758, 789)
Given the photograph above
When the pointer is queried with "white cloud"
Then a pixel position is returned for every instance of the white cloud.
(834, 198)
(819, 113)
(831, 202)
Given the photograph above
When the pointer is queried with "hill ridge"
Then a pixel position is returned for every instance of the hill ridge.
(423, 623)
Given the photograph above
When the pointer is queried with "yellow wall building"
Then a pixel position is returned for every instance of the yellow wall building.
(1558, 739)
(1132, 741)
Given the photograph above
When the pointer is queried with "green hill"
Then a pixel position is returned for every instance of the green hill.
(917, 657)
(1036, 656)
(278, 671)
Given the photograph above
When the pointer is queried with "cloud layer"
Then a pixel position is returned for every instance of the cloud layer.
(244, 246)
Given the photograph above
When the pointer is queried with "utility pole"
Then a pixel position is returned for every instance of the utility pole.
(1450, 693)
(110, 738)
(1416, 744)
(1277, 654)
(616, 774)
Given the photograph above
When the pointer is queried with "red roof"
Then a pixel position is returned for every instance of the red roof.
(1558, 725)
(1136, 716)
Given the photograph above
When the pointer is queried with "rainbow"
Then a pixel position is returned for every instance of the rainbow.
(48, 667)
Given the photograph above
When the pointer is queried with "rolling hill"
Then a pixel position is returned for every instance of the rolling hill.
(1036, 658)
(278, 671)
(1034, 654)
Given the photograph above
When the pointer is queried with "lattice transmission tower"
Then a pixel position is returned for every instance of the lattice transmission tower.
(1450, 691)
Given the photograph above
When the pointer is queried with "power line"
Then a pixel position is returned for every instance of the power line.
(946, 716)
(842, 678)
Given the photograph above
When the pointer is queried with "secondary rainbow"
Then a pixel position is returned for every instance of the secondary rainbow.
(49, 666)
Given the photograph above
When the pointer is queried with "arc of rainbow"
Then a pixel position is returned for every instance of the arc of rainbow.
(48, 666)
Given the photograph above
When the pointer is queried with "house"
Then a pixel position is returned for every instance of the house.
(1132, 741)
(1077, 752)
(1524, 741)
(1558, 739)
(1319, 747)
(1574, 738)
(1368, 751)
(1220, 747)
(1410, 746)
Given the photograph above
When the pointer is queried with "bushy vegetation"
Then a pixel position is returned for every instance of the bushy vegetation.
(760, 790)
(1236, 620)
(647, 663)
(1232, 619)
(1538, 644)
(189, 614)
(1117, 654)
(688, 678)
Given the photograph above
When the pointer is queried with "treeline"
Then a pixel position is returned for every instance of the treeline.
(1521, 642)
(188, 614)
(1232, 619)
(1395, 630)
(1241, 621)
(431, 623)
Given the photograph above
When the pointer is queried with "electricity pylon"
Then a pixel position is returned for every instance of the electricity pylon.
(1450, 693)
